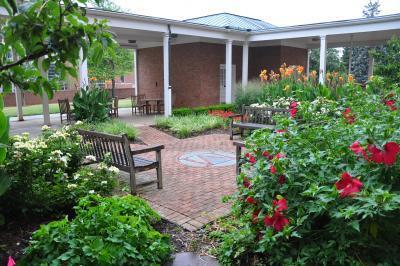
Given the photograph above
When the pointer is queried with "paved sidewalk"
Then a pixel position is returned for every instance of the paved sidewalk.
(191, 196)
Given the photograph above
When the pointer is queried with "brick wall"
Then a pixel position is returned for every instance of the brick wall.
(194, 72)
(272, 57)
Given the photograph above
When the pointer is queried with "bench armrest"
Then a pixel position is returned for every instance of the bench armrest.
(235, 115)
(239, 144)
(147, 149)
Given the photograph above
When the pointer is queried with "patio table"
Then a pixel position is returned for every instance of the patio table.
(158, 102)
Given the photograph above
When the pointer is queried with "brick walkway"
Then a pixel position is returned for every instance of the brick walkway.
(191, 196)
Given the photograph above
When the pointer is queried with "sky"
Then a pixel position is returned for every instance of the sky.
(277, 12)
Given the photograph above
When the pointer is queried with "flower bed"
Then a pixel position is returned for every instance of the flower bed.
(113, 127)
(186, 126)
(323, 188)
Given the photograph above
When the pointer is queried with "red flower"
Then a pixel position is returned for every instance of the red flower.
(277, 221)
(281, 204)
(246, 182)
(251, 200)
(391, 105)
(267, 154)
(255, 216)
(388, 156)
(281, 131)
(272, 169)
(348, 185)
(281, 179)
(251, 158)
(349, 116)
(280, 155)
(293, 109)
(357, 149)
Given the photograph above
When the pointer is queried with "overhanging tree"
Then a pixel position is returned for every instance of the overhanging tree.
(42, 33)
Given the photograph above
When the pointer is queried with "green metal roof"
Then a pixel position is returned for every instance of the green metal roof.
(231, 21)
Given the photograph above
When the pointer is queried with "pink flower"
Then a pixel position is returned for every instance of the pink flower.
(391, 105)
(348, 185)
(11, 261)
(280, 155)
(347, 114)
(268, 155)
(246, 183)
(281, 131)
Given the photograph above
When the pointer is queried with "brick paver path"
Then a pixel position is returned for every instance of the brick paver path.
(191, 196)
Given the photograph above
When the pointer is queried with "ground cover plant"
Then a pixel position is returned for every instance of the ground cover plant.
(113, 127)
(105, 231)
(323, 189)
(185, 126)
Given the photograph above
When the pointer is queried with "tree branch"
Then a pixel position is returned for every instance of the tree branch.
(27, 58)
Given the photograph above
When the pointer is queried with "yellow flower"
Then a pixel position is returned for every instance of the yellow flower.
(314, 74)
(287, 88)
(264, 75)
(300, 69)
(341, 79)
(93, 79)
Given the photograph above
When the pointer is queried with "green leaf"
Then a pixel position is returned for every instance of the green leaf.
(5, 183)
(355, 225)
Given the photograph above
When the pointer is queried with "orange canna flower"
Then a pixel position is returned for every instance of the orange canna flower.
(93, 79)
(300, 69)
(341, 79)
(350, 78)
(264, 75)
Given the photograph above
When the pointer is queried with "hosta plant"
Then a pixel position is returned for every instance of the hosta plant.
(91, 105)
(323, 189)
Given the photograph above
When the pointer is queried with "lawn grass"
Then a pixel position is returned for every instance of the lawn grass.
(186, 126)
(113, 126)
(53, 107)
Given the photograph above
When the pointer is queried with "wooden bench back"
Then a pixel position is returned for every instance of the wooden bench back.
(64, 106)
(262, 115)
(100, 144)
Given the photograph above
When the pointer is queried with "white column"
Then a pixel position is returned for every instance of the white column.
(83, 72)
(167, 87)
(45, 99)
(322, 59)
(18, 95)
(18, 101)
(371, 62)
(308, 62)
(245, 65)
(135, 72)
(350, 59)
(228, 72)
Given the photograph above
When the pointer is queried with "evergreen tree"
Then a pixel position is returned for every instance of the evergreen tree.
(360, 55)
(332, 60)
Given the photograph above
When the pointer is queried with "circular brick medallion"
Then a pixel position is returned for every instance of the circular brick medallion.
(207, 159)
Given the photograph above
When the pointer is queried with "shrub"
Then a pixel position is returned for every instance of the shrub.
(186, 126)
(324, 191)
(45, 175)
(388, 61)
(114, 127)
(105, 231)
(202, 110)
(91, 105)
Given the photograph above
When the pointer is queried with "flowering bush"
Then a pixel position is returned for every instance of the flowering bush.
(105, 231)
(323, 190)
(45, 174)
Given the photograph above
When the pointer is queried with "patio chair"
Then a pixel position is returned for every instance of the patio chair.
(113, 112)
(65, 110)
(122, 156)
(143, 106)
(134, 102)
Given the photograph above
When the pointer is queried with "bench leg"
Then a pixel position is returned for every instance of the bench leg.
(132, 181)
(238, 155)
(159, 171)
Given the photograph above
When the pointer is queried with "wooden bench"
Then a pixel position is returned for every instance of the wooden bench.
(122, 156)
(253, 118)
(65, 109)
(239, 146)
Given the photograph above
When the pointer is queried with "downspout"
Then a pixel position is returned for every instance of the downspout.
(169, 59)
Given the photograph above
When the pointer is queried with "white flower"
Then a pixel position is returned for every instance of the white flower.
(72, 186)
(76, 176)
(114, 170)
(104, 182)
(90, 158)
(91, 191)
(78, 123)
(45, 127)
